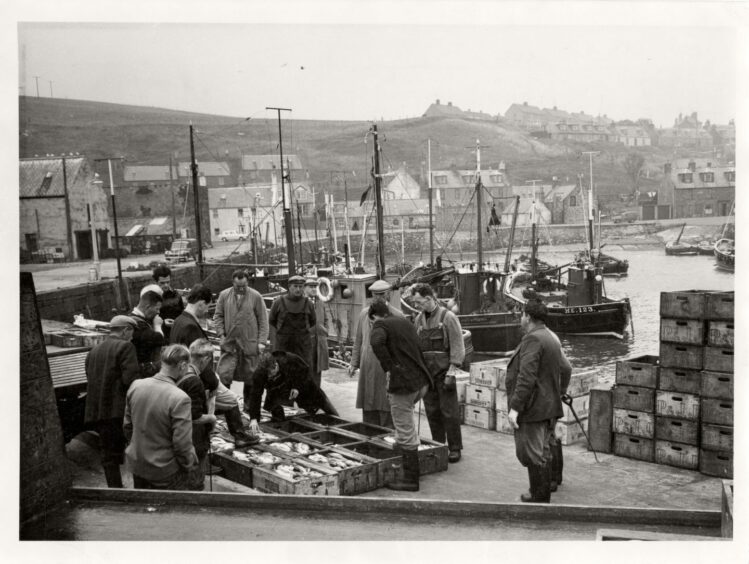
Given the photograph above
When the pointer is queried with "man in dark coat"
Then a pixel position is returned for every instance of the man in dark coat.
(187, 327)
(395, 343)
(172, 304)
(292, 317)
(148, 336)
(111, 367)
(536, 374)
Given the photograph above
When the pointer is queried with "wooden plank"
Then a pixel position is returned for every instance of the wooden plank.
(628, 534)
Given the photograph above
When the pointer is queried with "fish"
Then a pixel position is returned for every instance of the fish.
(281, 446)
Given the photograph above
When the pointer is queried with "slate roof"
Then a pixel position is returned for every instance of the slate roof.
(240, 196)
(207, 168)
(149, 173)
(44, 177)
(270, 162)
(562, 191)
(142, 226)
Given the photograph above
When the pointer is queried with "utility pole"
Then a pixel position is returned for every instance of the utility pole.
(174, 204)
(429, 184)
(50, 90)
(37, 85)
(196, 199)
(124, 296)
(534, 221)
(378, 205)
(479, 200)
(286, 199)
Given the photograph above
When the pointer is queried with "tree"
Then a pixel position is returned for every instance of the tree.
(633, 163)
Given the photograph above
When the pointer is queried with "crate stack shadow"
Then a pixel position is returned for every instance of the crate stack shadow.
(676, 408)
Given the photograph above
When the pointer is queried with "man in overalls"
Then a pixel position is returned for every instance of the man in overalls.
(441, 341)
(291, 317)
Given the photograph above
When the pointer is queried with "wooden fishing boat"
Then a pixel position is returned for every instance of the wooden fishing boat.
(724, 249)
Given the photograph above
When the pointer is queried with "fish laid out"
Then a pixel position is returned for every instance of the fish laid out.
(266, 437)
(334, 460)
(291, 447)
(256, 457)
(218, 444)
(293, 472)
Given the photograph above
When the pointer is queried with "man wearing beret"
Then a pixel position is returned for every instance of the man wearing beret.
(292, 317)
(111, 367)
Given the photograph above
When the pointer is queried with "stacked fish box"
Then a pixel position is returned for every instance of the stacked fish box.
(633, 403)
(568, 429)
(484, 381)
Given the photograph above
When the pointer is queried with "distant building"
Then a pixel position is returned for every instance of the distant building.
(631, 135)
(559, 124)
(400, 185)
(210, 174)
(264, 169)
(566, 204)
(525, 212)
(449, 110)
(455, 187)
(698, 187)
(687, 132)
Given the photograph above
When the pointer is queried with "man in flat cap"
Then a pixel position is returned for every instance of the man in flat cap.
(111, 366)
(292, 317)
(319, 332)
(371, 394)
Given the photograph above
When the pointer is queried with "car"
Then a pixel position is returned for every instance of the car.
(233, 236)
(626, 217)
(182, 250)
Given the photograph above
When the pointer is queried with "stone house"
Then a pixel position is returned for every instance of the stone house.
(566, 204)
(698, 187)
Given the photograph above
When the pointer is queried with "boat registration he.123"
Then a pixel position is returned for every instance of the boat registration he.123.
(578, 309)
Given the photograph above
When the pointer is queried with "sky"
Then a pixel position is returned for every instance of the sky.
(623, 60)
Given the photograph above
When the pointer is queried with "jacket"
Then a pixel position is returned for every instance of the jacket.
(536, 374)
(158, 424)
(396, 345)
(452, 328)
(247, 321)
(148, 343)
(186, 329)
(111, 367)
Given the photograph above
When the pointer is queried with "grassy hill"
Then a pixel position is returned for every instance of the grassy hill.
(147, 135)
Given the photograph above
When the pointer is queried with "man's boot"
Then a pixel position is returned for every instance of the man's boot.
(540, 482)
(236, 428)
(557, 463)
(410, 480)
(112, 475)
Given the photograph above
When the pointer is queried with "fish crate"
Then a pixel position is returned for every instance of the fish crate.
(581, 405)
(289, 447)
(240, 470)
(634, 398)
(726, 509)
(329, 437)
(720, 334)
(638, 448)
(482, 417)
(680, 380)
(719, 305)
(716, 437)
(582, 382)
(690, 304)
(716, 385)
(716, 411)
(677, 430)
(686, 331)
(359, 430)
(677, 404)
(716, 463)
(432, 455)
(641, 371)
(492, 373)
(679, 355)
(480, 396)
(321, 420)
(503, 423)
(269, 480)
(389, 462)
(356, 473)
(291, 426)
(87, 338)
(571, 433)
(600, 419)
(634, 423)
(677, 454)
(718, 359)
(64, 339)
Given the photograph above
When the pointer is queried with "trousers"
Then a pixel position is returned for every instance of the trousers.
(402, 410)
(377, 417)
(443, 413)
(532, 442)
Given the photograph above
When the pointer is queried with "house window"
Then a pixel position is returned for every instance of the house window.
(685, 177)
(240, 212)
(573, 201)
(220, 180)
(441, 179)
(216, 231)
(442, 194)
(708, 209)
(730, 175)
(707, 176)
(215, 213)
(467, 179)
(396, 222)
(496, 178)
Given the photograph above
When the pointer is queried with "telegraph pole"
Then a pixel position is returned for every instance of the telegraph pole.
(37, 85)
(534, 222)
(174, 205)
(196, 199)
(479, 200)
(590, 198)
(124, 296)
(429, 184)
(286, 199)
(378, 204)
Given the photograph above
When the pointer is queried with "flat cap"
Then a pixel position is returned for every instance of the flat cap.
(311, 282)
(380, 286)
(123, 321)
(296, 279)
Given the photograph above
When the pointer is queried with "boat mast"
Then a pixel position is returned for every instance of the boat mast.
(479, 187)
(429, 181)
(378, 205)
(286, 200)
(590, 202)
(511, 241)
(534, 242)
(345, 219)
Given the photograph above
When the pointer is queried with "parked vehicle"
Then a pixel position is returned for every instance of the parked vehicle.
(626, 217)
(182, 250)
(233, 236)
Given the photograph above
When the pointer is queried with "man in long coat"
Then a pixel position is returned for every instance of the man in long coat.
(320, 355)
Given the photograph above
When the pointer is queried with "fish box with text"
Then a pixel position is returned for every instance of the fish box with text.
(677, 430)
(482, 417)
(720, 334)
(716, 385)
(720, 305)
(356, 473)
(480, 396)
(635, 423)
(689, 304)
(687, 331)
(641, 371)
(677, 454)
(492, 373)
(677, 404)
(389, 462)
(638, 448)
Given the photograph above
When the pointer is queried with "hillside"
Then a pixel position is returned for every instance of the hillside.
(146, 135)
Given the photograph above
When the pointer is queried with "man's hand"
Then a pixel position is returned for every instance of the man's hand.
(254, 427)
(513, 417)
(294, 394)
(260, 348)
(157, 323)
(352, 370)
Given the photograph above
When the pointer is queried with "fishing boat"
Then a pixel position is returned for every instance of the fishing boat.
(679, 248)
(724, 249)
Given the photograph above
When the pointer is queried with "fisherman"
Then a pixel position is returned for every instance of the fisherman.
(441, 341)
(148, 336)
(536, 374)
(172, 304)
(396, 345)
(111, 367)
(293, 318)
(158, 425)
(241, 322)
(320, 355)
(371, 393)
(284, 377)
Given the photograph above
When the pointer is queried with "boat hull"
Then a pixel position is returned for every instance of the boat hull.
(605, 319)
(492, 333)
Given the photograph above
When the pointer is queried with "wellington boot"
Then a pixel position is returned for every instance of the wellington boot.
(557, 462)
(540, 481)
(112, 475)
(234, 420)
(410, 480)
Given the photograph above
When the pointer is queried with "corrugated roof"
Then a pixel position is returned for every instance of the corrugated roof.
(142, 226)
(270, 162)
(149, 173)
(207, 168)
(240, 196)
(44, 177)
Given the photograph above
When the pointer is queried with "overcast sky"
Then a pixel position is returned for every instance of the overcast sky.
(626, 60)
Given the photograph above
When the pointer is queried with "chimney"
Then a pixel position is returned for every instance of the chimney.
(449, 103)
(692, 166)
(525, 103)
(438, 101)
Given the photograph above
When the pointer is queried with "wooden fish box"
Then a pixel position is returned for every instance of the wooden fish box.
(298, 449)
(726, 509)
(268, 480)
(432, 455)
(716, 385)
(87, 338)
(677, 430)
(687, 331)
(329, 437)
(503, 423)
(680, 380)
(360, 429)
(581, 405)
(634, 398)
(716, 463)
(389, 462)
(720, 334)
(677, 454)
(641, 371)
(600, 420)
(582, 382)
(235, 470)
(291, 426)
(571, 433)
(690, 304)
(717, 437)
(634, 423)
(719, 305)
(500, 400)
(64, 339)
(480, 396)
(492, 373)
(638, 448)
(677, 404)
(678, 355)
(718, 359)
(321, 419)
(482, 417)
(717, 411)
(351, 480)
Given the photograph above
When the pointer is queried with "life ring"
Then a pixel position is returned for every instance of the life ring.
(491, 287)
(324, 289)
